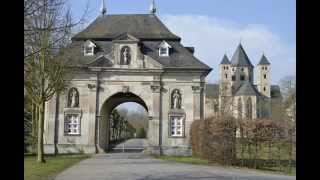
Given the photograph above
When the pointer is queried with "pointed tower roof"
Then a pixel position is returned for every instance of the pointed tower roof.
(240, 57)
(247, 89)
(225, 60)
(264, 60)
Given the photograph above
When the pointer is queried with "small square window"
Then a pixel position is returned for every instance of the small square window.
(88, 50)
(163, 51)
(242, 78)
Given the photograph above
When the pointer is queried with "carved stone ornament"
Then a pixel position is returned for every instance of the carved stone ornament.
(125, 57)
(155, 88)
(73, 98)
(176, 99)
(125, 89)
(196, 89)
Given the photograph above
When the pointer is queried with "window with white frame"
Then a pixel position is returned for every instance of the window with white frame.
(164, 49)
(72, 124)
(177, 126)
(89, 48)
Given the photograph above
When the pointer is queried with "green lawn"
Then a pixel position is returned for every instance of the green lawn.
(196, 160)
(53, 165)
(189, 160)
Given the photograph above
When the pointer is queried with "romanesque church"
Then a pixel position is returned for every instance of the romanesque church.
(237, 94)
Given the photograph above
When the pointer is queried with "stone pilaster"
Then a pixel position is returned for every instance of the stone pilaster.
(154, 118)
(197, 102)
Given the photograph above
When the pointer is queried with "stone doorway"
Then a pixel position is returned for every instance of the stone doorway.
(104, 121)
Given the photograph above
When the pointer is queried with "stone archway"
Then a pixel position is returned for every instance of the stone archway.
(104, 121)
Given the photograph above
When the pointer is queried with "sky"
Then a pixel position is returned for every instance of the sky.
(215, 27)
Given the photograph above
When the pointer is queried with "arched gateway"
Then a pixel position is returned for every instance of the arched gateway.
(127, 58)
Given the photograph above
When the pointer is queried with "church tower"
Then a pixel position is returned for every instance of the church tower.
(264, 76)
(241, 69)
(225, 77)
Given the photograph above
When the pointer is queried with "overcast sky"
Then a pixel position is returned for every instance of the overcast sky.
(215, 27)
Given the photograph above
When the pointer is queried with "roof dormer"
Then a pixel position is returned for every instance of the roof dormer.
(164, 49)
(88, 48)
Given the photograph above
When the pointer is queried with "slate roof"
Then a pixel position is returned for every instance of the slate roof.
(275, 91)
(240, 57)
(147, 28)
(142, 26)
(264, 61)
(247, 89)
(212, 90)
(179, 56)
(225, 60)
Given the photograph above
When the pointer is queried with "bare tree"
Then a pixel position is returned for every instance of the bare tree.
(47, 27)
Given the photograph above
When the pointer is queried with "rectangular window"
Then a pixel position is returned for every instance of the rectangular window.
(233, 78)
(177, 126)
(242, 78)
(72, 124)
(88, 50)
(163, 51)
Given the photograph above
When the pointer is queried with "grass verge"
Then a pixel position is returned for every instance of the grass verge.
(199, 161)
(189, 160)
(53, 165)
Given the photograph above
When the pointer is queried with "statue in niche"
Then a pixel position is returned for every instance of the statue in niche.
(73, 98)
(125, 56)
(176, 99)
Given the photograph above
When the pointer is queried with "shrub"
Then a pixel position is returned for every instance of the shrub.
(214, 139)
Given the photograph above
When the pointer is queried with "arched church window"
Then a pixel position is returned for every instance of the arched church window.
(125, 55)
(265, 76)
(239, 108)
(249, 108)
(73, 98)
(176, 99)
(226, 75)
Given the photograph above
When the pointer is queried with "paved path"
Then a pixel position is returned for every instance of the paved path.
(137, 166)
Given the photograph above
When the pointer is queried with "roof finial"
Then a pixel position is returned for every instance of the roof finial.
(153, 7)
(103, 8)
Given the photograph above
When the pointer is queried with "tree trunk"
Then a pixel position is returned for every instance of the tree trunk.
(40, 156)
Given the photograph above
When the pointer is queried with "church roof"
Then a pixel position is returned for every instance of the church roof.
(247, 89)
(225, 60)
(240, 57)
(212, 90)
(264, 61)
(142, 26)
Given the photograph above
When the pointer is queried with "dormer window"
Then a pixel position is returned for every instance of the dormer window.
(164, 48)
(89, 48)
